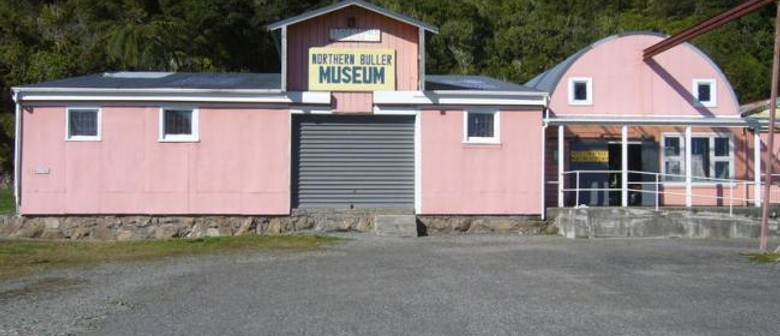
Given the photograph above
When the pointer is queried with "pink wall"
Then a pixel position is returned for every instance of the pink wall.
(459, 178)
(625, 85)
(353, 102)
(316, 33)
(239, 166)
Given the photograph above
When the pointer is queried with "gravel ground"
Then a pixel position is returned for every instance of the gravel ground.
(455, 285)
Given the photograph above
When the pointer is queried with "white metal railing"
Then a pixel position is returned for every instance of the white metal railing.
(661, 182)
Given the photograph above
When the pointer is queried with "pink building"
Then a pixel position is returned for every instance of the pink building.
(351, 121)
(629, 132)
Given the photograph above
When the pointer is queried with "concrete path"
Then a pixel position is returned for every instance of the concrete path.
(457, 285)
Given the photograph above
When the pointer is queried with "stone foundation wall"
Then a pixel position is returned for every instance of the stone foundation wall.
(167, 227)
(436, 225)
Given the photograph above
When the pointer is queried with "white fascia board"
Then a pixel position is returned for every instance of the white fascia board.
(236, 96)
(503, 98)
(726, 121)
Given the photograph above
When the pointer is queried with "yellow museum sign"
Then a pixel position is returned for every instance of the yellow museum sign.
(338, 69)
(580, 156)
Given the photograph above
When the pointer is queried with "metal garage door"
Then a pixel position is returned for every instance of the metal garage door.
(353, 162)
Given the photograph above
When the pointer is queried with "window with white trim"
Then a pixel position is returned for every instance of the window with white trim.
(82, 124)
(705, 92)
(712, 157)
(481, 127)
(580, 91)
(674, 158)
(178, 124)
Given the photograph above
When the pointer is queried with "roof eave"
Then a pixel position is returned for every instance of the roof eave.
(344, 4)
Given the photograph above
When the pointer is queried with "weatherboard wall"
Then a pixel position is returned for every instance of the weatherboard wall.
(473, 179)
(396, 35)
(240, 165)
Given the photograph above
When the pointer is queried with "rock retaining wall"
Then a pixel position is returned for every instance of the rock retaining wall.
(167, 227)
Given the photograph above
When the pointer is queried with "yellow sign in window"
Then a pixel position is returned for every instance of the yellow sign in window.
(339, 69)
(600, 156)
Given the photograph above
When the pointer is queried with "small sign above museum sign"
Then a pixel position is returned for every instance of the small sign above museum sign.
(355, 35)
(340, 69)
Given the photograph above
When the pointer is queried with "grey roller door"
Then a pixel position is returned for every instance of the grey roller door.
(353, 162)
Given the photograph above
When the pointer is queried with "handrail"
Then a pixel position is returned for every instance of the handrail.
(660, 179)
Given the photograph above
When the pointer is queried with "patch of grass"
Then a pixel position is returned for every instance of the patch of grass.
(763, 257)
(7, 202)
(25, 257)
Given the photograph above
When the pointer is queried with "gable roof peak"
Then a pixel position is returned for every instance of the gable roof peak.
(346, 3)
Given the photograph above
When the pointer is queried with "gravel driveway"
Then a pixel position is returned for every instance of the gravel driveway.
(456, 285)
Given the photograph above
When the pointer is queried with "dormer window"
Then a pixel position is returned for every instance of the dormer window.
(705, 93)
(580, 91)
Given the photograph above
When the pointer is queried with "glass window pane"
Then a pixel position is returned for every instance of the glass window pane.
(480, 125)
(674, 168)
(580, 91)
(178, 122)
(704, 92)
(722, 147)
(672, 146)
(700, 157)
(83, 122)
(722, 170)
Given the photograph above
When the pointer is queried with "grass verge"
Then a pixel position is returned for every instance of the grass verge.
(24, 257)
(763, 257)
(7, 202)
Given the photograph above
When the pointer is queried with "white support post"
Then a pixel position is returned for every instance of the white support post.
(657, 191)
(560, 165)
(757, 168)
(284, 58)
(577, 191)
(688, 170)
(624, 167)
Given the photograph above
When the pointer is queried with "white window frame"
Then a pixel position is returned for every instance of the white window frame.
(713, 102)
(97, 137)
(495, 139)
(679, 158)
(588, 86)
(194, 137)
(684, 151)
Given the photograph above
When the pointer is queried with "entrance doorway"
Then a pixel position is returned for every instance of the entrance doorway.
(615, 179)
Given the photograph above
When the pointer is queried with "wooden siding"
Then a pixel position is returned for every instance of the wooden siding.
(316, 33)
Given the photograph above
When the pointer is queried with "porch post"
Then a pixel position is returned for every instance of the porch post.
(688, 168)
(757, 168)
(560, 165)
(624, 166)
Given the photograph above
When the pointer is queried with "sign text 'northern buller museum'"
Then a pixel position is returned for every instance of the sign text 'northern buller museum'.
(337, 69)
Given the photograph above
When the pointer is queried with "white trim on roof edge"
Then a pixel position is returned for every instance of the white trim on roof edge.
(724, 121)
(504, 98)
(130, 95)
(344, 4)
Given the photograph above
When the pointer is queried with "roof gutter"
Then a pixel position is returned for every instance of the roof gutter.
(650, 121)
(462, 97)
(171, 95)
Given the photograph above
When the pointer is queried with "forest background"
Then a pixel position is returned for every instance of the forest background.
(514, 40)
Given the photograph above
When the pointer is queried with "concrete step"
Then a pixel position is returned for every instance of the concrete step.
(395, 225)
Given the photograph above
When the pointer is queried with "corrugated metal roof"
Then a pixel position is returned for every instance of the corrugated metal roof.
(343, 4)
(478, 83)
(247, 81)
(758, 110)
(168, 80)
